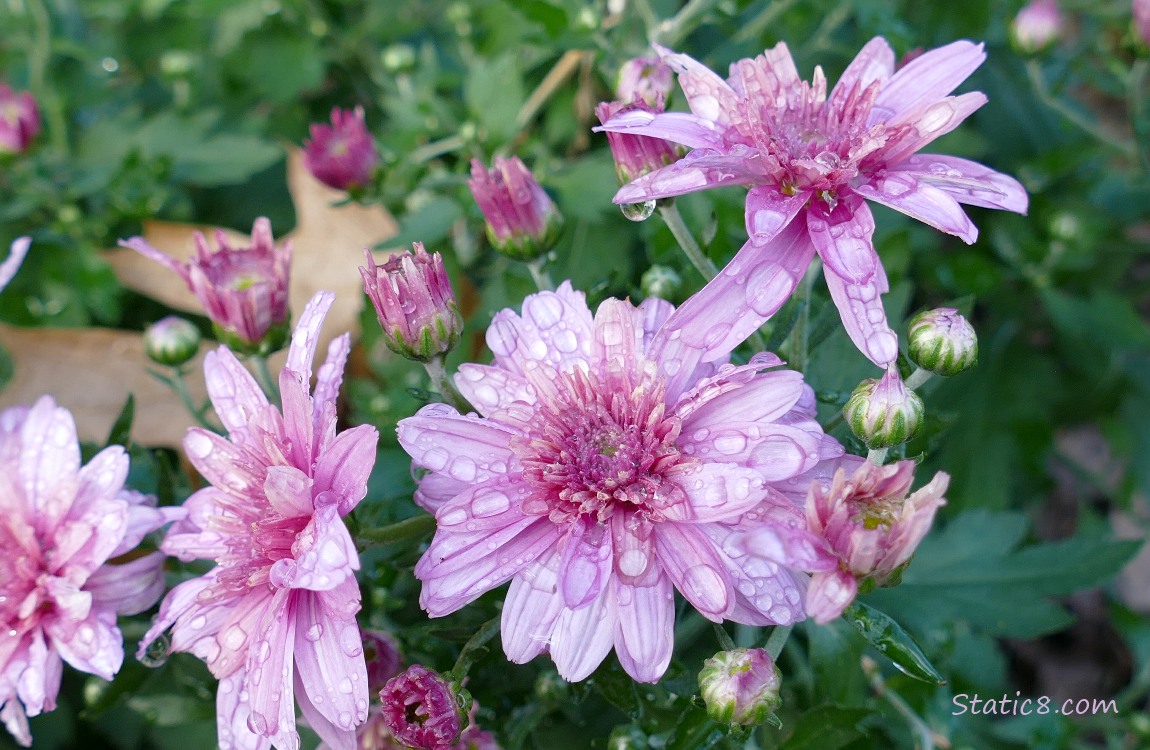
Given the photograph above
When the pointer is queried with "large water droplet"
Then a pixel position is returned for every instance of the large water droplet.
(156, 655)
(638, 211)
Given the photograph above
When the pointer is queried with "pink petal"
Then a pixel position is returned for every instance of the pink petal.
(930, 205)
(330, 374)
(490, 389)
(11, 264)
(345, 465)
(234, 392)
(967, 181)
(695, 568)
(769, 212)
(791, 546)
(765, 399)
(586, 562)
(765, 592)
(874, 62)
(269, 670)
(16, 722)
(329, 657)
(644, 632)
(93, 645)
(232, 711)
(615, 337)
(436, 489)
(842, 239)
(143, 248)
(708, 95)
(180, 601)
(583, 637)
(305, 337)
(325, 555)
(927, 78)
(767, 78)
(650, 316)
(699, 170)
(243, 622)
(333, 737)
(716, 492)
(915, 128)
(48, 464)
(299, 439)
(143, 519)
(678, 127)
(289, 491)
(193, 537)
(829, 594)
(467, 449)
(531, 609)
(128, 588)
(863, 316)
(222, 463)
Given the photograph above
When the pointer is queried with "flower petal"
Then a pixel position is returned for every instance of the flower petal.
(829, 594)
(843, 239)
(436, 489)
(583, 637)
(678, 127)
(234, 392)
(701, 169)
(333, 737)
(305, 336)
(915, 128)
(330, 374)
(269, 670)
(344, 466)
(644, 630)
(490, 389)
(48, 464)
(716, 492)
(695, 568)
(874, 62)
(233, 708)
(324, 555)
(465, 448)
(128, 588)
(531, 609)
(93, 644)
(766, 398)
(708, 95)
(863, 316)
(586, 562)
(967, 181)
(927, 78)
(329, 657)
(930, 205)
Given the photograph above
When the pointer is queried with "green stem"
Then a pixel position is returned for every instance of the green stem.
(265, 379)
(431, 150)
(441, 382)
(472, 650)
(178, 385)
(800, 334)
(410, 528)
(777, 640)
(926, 736)
(877, 455)
(1034, 72)
(917, 378)
(540, 275)
(670, 213)
(672, 30)
(725, 641)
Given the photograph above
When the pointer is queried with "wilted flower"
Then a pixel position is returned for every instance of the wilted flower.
(414, 302)
(942, 341)
(522, 222)
(635, 155)
(244, 290)
(740, 686)
(423, 710)
(884, 412)
(341, 155)
(644, 79)
(872, 527)
(607, 470)
(171, 341)
(813, 162)
(276, 617)
(15, 258)
(1037, 25)
(19, 120)
(62, 523)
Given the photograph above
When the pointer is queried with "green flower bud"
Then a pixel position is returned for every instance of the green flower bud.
(942, 341)
(171, 341)
(740, 686)
(883, 413)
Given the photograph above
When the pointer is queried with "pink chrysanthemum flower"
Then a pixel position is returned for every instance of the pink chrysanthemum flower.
(60, 524)
(872, 524)
(422, 709)
(15, 258)
(813, 161)
(606, 471)
(244, 290)
(276, 616)
(19, 120)
(341, 155)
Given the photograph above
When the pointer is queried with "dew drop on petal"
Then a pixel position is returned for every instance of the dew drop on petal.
(638, 211)
(452, 517)
(632, 562)
(314, 632)
(490, 504)
(350, 642)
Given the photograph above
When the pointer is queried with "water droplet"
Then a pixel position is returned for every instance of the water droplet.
(234, 637)
(452, 517)
(638, 211)
(632, 562)
(314, 632)
(350, 642)
(345, 686)
(198, 622)
(490, 504)
(156, 654)
(345, 720)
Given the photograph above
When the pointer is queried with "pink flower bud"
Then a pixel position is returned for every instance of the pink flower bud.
(644, 79)
(635, 155)
(414, 303)
(522, 222)
(1037, 25)
(342, 155)
(382, 656)
(244, 290)
(422, 710)
(872, 525)
(883, 412)
(1141, 10)
(19, 120)
(740, 686)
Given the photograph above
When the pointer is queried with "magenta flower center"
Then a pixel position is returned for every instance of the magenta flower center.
(599, 445)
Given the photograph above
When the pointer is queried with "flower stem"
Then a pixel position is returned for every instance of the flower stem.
(264, 376)
(917, 378)
(725, 641)
(441, 382)
(669, 32)
(927, 739)
(877, 455)
(540, 275)
(800, 334)
(670, 213)
(473, 649)
(406, 529)
(179, 386)
(777, 640)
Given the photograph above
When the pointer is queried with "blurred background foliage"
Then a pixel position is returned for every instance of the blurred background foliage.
(182, 110)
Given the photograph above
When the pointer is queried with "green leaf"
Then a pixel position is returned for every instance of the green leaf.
(972, 572)
(827, 727)
(892, 641)
(121, 431)
(494, 92)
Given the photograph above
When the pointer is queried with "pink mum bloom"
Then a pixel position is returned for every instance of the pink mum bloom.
(606, 471)
(872, 527)
(19, 120)
(60, 524)
(813, 162)
(244, 290)
(522, 222)
(636, 155)
(341, 155)
(422, 710)
(276, 616)
(644, 79)
(15, 258)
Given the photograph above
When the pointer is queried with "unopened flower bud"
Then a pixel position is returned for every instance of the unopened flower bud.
(382, 656)
(660, 281)
(740, 686)
(635, 155)
(646, 79)
(1036, 26)
(522, 222)
(171, 341)
(423, 710)
(342, 155)
(414, 303)
(883, 413)
(942, 341)
(19, 120)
